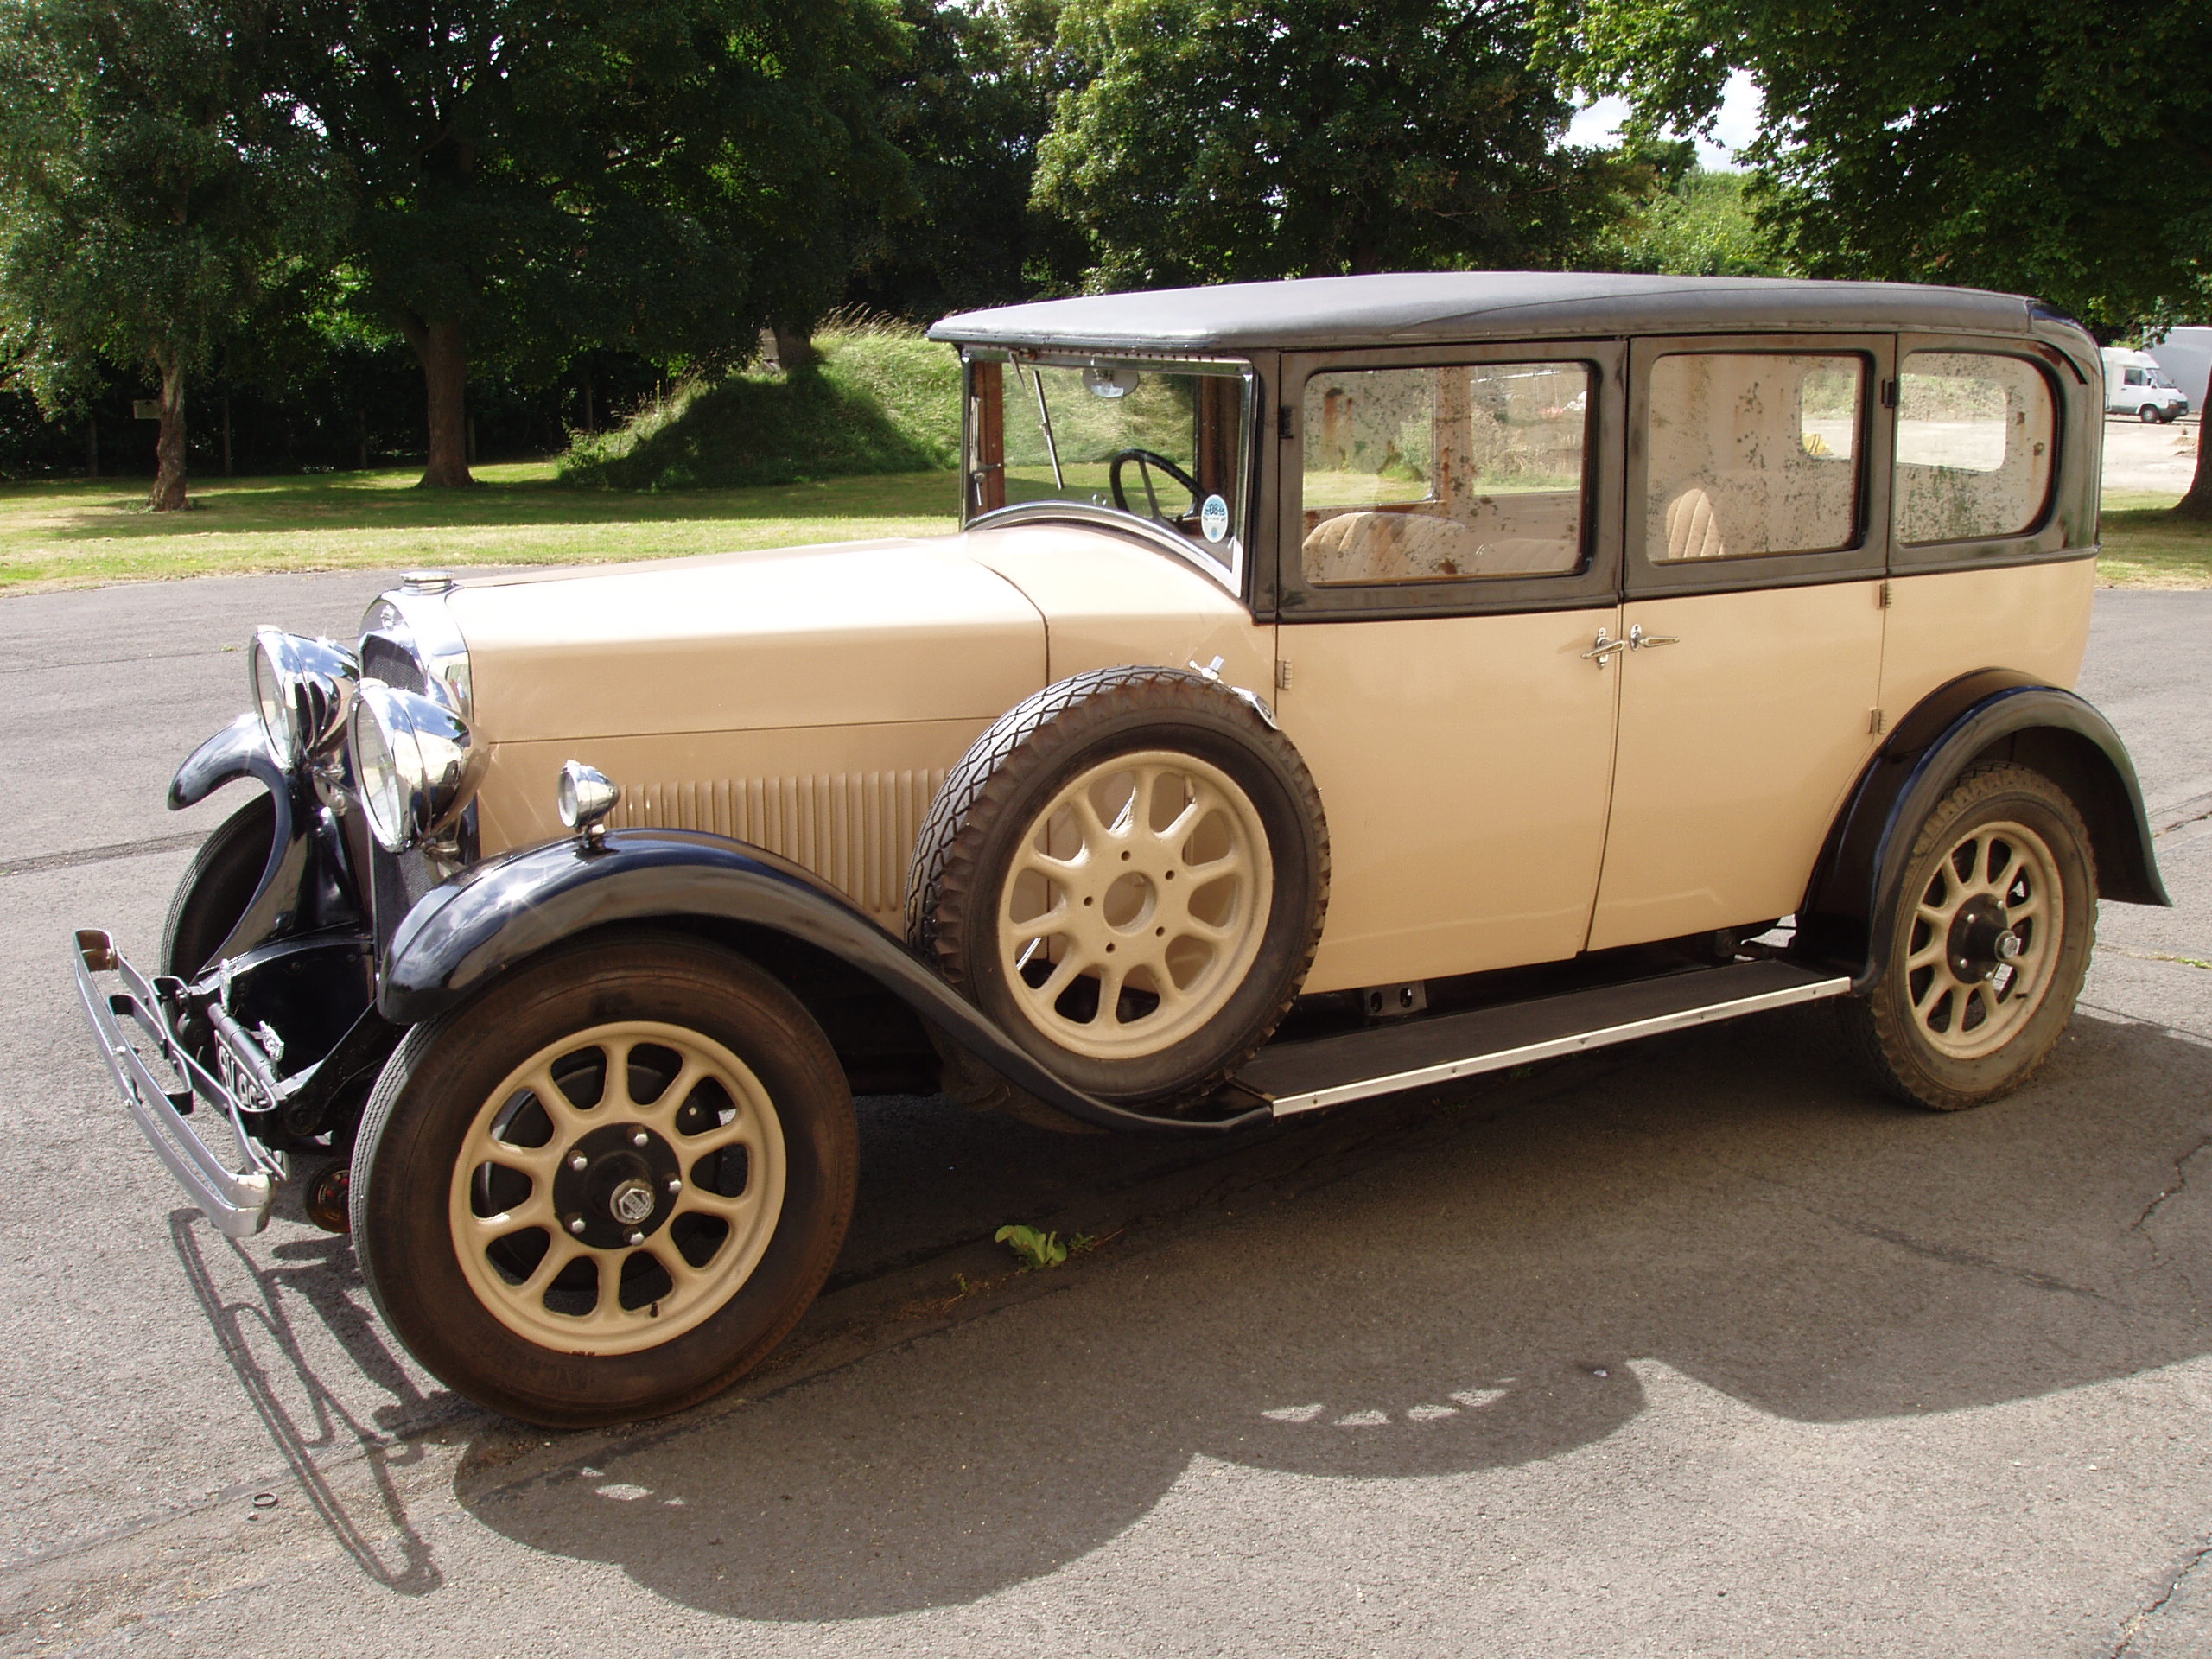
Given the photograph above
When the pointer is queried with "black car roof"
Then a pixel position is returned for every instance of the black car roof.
(1437, 307)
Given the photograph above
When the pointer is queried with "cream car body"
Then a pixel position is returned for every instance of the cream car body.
(1334, 687)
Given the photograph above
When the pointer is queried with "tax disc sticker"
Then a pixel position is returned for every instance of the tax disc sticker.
(1213, 517)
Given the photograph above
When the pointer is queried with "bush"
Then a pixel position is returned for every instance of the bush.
(882, 399)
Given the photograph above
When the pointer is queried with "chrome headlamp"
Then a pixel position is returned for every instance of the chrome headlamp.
(413, 763)
(305, 689)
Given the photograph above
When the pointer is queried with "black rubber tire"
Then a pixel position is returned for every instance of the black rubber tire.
(2150, 414)
(1880, 1025)
(426, 1099)
(218, 884)
(970, 838)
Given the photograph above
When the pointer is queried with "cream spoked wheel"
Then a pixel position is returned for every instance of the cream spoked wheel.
(1135, 905)
(1984, 935)
(617, 1188)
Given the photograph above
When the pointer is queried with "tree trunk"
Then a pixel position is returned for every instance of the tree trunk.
(443, 353)
(794, 348)
(92, 446)
(591, 421)
(2198, 504)
(227, 473)
(169, 448)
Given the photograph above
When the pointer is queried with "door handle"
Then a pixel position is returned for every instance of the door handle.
(1603, 651)
(1639, 640)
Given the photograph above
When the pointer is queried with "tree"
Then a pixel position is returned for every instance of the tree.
(535, 180)
(968, 108)
(151, 198)
(1220, 140)
(1695, 223)
(2056, 151)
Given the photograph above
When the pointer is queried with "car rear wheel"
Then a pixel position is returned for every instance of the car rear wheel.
(606, 1187)
(1988, 940)
(1129, 874)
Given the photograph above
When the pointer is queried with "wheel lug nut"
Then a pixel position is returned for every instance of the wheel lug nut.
(676, 1186)
(579, 1162)
(639, 1139)
(577, 1225)
(637, 1238)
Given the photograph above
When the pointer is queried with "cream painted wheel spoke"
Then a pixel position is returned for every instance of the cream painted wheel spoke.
(693, 1294)
(1119, 905)
(1982, 1016)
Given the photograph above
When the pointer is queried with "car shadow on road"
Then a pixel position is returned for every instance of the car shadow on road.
(307, 1421)
(1730, 1203)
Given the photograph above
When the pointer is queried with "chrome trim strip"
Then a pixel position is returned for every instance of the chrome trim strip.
(236, 1202)
(1229, 576)
(1474, 1064)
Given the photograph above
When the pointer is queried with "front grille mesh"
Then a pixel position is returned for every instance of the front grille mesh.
(386, 659)
(856, 830)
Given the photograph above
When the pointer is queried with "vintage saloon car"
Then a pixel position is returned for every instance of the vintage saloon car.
(1338, 686)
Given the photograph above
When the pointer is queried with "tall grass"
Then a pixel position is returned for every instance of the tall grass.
(881, 399)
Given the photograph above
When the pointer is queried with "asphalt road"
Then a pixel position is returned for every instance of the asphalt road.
(1696, 1347)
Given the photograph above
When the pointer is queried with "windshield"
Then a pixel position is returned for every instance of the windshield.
(1165, 443)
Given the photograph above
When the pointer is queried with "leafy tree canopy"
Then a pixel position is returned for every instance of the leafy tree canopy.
(1695, 223)
(968, 108)
(532, 178)
(2064, 151)
(153, 195)
(1224, 140)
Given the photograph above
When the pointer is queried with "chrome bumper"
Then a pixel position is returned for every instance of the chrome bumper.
(237, 1201)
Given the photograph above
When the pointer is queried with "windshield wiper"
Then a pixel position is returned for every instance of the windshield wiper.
(1044, 419)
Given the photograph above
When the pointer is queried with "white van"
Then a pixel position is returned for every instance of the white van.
(2135, 385)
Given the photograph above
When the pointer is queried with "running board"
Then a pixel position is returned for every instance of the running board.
(1410, 1053)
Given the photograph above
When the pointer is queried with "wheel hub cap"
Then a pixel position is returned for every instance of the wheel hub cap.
(1977, 936)
(625, 1188)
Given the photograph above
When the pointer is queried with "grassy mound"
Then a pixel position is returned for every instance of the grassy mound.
(882, 400)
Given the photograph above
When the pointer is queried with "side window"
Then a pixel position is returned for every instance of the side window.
(1442, 475)
(1751, 454)
(1975, 433)
(2133, 378)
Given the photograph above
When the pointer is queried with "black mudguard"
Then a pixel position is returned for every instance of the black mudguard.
(1990, 713)
(499, 914)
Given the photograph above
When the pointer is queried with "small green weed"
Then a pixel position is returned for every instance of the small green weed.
(1034, 1248)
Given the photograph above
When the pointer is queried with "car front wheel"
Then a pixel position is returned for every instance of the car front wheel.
(2150, 415)
(1988, 940)
(606, 1187)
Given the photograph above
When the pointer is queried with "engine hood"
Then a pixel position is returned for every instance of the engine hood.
(866, 633)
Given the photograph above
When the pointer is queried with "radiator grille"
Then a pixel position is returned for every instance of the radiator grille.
(856, 830)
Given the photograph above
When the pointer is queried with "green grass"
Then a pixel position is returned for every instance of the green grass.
(78, 534)
(2145, 547)
(882, 400)
(73, 534)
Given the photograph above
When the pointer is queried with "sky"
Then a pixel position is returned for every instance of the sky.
(1740, 120)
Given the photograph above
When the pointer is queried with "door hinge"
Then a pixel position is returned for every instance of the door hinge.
(1877, 722)
(1283, 418)
(1282, 674)
(1882, 598)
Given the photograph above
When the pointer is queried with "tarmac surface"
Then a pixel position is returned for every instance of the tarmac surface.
(1694, 1347)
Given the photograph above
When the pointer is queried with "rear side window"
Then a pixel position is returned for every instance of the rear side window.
(1753, 454)
(1974, 432)
(1445, 473)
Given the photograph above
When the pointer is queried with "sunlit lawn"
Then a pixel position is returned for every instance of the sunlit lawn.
(2145, 546)
(79, 534)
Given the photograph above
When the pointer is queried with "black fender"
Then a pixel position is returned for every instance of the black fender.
(307, 882)
(1989, 714)
(461, 936)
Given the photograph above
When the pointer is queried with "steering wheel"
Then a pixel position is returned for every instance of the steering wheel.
(1146, 460)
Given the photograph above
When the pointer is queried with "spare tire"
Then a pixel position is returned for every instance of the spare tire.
(1127, 873)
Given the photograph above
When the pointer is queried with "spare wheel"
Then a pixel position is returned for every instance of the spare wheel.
(1127, 873)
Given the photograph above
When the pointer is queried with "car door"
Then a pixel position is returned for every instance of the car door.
(1753, 606)
(1448, 563)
